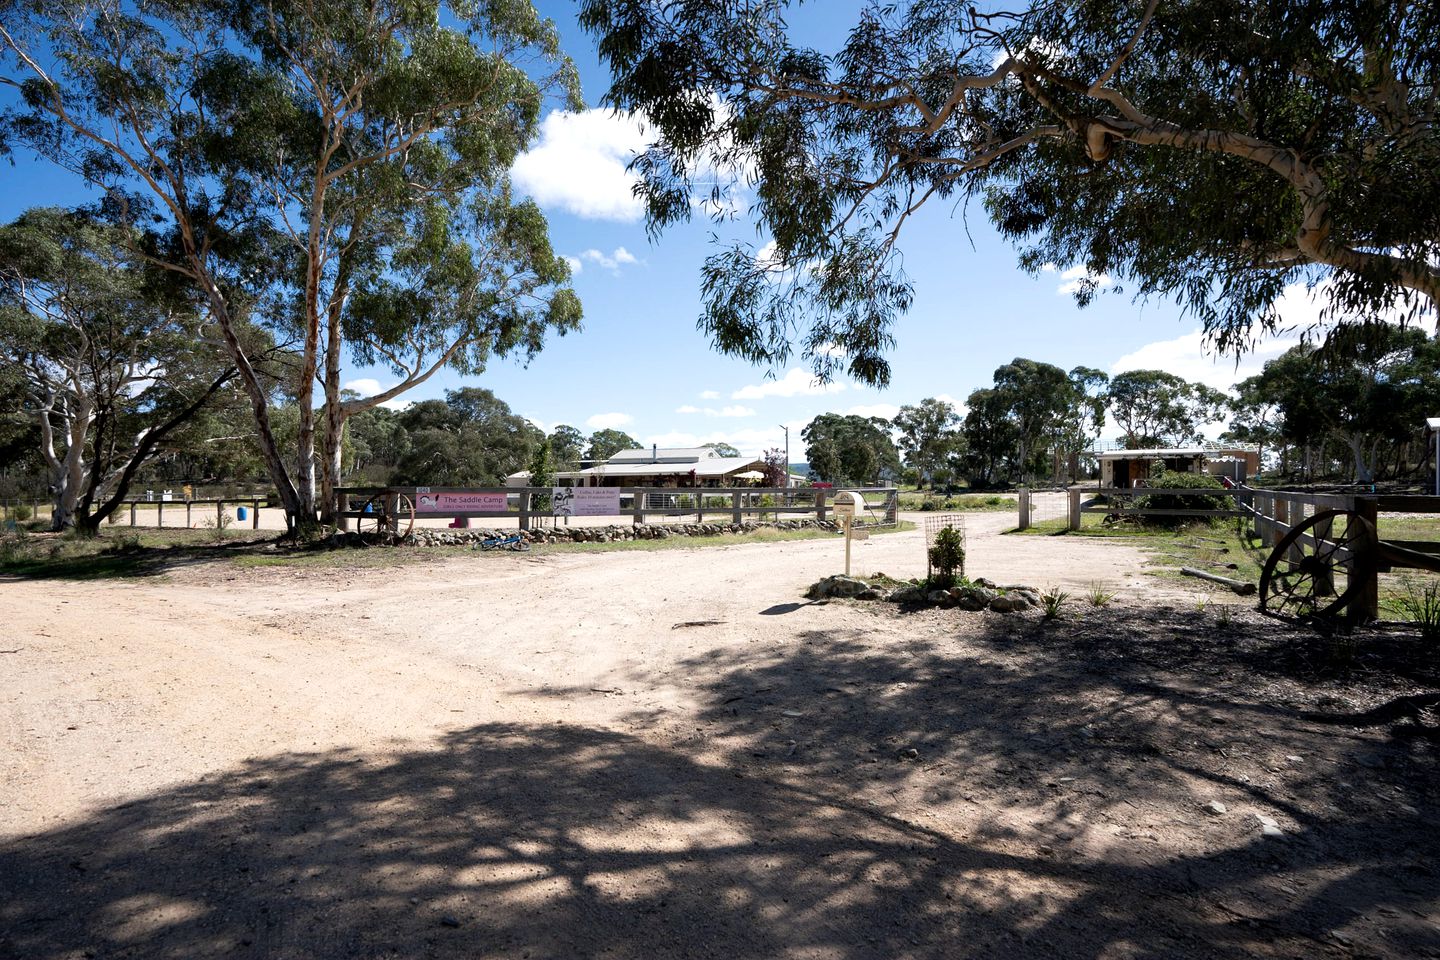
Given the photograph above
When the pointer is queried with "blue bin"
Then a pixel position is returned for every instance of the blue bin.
(241, 513)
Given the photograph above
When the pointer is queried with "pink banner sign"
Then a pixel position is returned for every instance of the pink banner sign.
(460, 502)
(586, 501)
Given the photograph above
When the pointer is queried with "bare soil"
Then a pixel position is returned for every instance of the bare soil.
(671, 754)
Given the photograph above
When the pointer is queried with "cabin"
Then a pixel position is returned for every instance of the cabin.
(660, 467)
(1124, 468)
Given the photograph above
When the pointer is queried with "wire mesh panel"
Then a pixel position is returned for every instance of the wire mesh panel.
(933, 526)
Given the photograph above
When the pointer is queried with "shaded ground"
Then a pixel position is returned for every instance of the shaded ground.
(682, 760)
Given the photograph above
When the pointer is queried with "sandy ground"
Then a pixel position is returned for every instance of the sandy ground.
(669, 753)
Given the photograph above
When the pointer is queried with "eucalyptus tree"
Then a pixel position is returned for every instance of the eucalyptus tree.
(850, 449)
(109, 362)
(341, 163)
(605, 443)
(1154, 408)
(929, 435)
(1212, 152)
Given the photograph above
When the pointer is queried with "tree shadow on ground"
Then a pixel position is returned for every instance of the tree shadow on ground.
(747, 832)
(110, 557)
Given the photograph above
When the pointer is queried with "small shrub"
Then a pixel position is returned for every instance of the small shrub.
(1051, 600)
(1420, 604)
(219, 527)
(947, 556)
(1181, 501)
(1098, 595)
(21, 512)
(125, 543)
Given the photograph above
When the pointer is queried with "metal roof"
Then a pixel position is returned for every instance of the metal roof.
(712, 467)
(664, 455)
(1156, 452)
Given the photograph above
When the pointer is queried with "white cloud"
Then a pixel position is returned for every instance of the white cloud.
(579, 165)
(365, 386)
(539, 424)
(369, 386)
(609, 261)
(751, 442)
(885, 411)
(795, 383)
(576, 266)
(733, 410)
(710, 395)
(1077, 275)
(1185, 356)
(609, 421)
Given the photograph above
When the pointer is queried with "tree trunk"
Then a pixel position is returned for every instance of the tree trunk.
(1363, 473)
(69, 480)
(295, 515)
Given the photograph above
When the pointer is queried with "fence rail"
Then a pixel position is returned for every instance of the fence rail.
(526, 504)
(1123, 502)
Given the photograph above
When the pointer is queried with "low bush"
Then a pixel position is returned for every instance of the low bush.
(1181, 501)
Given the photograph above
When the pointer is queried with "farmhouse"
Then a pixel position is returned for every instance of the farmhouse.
(661, 467)
(1124, 468)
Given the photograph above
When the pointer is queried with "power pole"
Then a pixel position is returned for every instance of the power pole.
(787, 455)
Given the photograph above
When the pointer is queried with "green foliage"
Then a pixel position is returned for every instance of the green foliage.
(604, 444)
(1034, 411)
(929, 437)
(947, 556)
(337, 169)
(21, 512)
(850, 450)
(1170, 479)
(1158, 409)
(1213, 153)
(542, 474)
(567, 446)
(1052, 600)
(1420, 604)
(1099, 595)
(469, 439)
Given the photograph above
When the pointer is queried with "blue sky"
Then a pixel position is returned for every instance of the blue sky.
(640, 364)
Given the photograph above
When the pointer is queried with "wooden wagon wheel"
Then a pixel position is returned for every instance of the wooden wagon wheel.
(388, 514)
(1301, 576)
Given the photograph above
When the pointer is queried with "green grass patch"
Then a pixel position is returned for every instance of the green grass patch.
(960, 502)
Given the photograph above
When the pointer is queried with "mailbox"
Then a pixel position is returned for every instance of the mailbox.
(847, 504)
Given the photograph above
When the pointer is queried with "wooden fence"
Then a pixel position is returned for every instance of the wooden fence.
(175, 507)
(1274, 513)
(731, 503)
(1125, 502)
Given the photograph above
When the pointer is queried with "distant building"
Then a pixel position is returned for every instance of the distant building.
(1123, 468)
(660, 467)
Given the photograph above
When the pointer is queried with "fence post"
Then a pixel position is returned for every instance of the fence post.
(735, 501)
(819, 505)
(525, 509)
(188, 524)
(132, 513)
(637, 505)
(255, 514)
(160, 514)
(1024, 509)
(219, 515)
(892, 508)
(1366, 566)
(1075, 493)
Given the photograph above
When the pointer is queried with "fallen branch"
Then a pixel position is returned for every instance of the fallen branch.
(1242, 587)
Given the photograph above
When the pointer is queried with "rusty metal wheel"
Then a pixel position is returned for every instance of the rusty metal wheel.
(1307, 574)
(391, 516)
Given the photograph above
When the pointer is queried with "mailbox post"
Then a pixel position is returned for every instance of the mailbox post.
(846, 505)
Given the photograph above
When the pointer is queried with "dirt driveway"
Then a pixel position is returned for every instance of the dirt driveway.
(667, 754)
